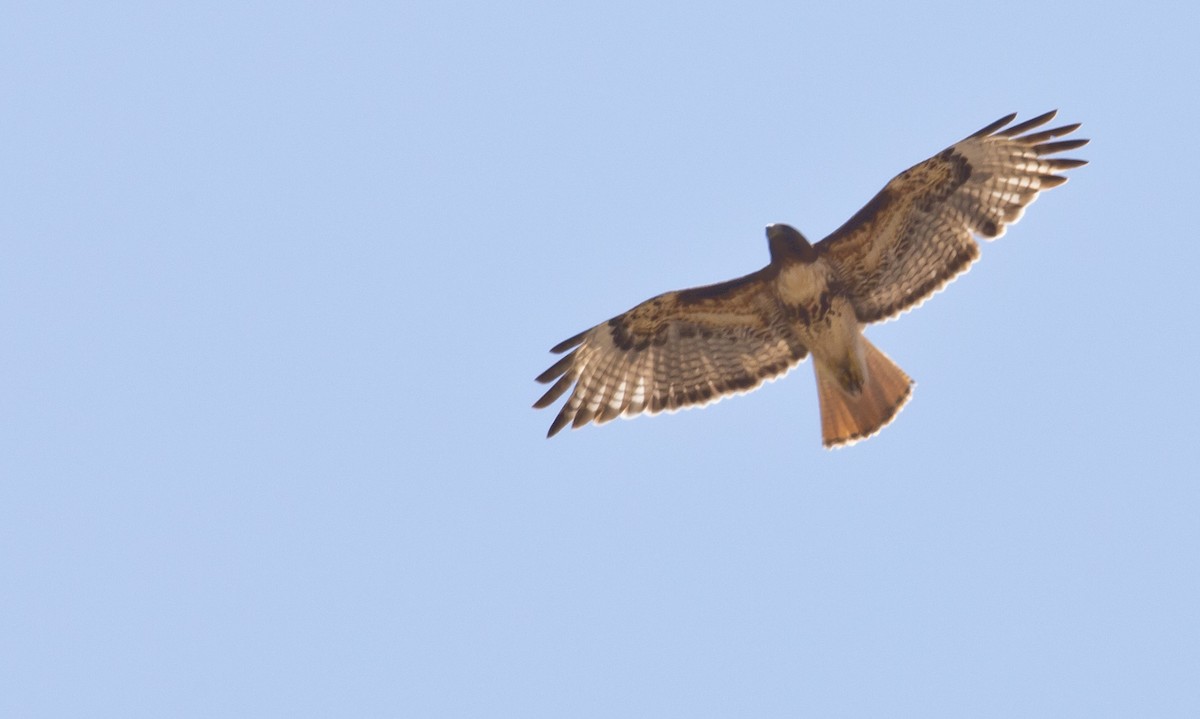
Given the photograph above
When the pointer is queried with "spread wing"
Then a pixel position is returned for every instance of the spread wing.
(915, 236)
(676, 350)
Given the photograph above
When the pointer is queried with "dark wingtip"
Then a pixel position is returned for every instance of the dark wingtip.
(1038, 121)
(568, 343)
(983, 131)
(559, 422)
(1036, 137)
(556, 369)
(1049, 148)
(1063, 163)
(558, 390)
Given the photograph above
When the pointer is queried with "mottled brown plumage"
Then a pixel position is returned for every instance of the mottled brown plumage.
(692, 347)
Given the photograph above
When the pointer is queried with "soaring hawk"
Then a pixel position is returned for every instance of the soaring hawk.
(694, 346)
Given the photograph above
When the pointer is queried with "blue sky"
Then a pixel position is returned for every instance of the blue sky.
(276, 281)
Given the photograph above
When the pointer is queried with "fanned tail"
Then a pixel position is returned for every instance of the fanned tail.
(848, 418)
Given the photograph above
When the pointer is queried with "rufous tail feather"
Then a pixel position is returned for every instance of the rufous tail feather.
(846, 418)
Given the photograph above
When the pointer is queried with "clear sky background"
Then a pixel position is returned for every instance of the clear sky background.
(275, 281)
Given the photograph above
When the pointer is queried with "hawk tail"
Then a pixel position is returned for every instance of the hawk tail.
(848, 418)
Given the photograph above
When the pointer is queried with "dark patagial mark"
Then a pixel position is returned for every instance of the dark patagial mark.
(717, 291)
(865, 217)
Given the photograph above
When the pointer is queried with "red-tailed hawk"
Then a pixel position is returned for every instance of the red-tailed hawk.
(694, 346)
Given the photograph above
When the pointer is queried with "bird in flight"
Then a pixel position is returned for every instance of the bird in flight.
(692, 347)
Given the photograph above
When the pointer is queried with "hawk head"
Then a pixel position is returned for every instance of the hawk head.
(786, 243)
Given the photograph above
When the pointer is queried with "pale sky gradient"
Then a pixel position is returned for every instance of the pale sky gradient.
(276, 280)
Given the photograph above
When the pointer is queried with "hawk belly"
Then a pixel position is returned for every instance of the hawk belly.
(825, 322)
(859, 389)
